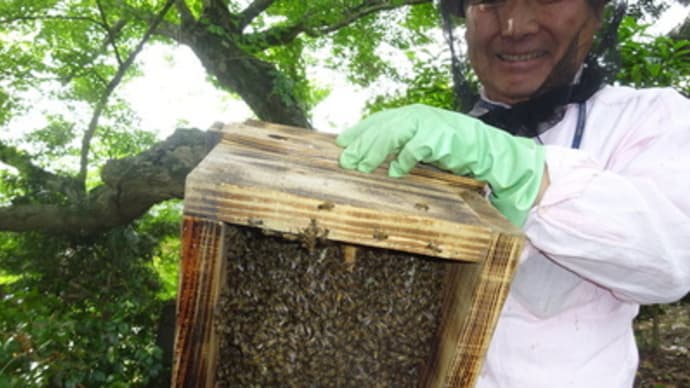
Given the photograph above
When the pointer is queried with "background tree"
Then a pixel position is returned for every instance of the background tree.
(88, 210)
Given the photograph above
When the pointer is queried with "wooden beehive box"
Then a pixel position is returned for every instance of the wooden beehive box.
(263, 184)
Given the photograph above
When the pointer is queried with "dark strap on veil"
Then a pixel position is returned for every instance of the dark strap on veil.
(536, 115)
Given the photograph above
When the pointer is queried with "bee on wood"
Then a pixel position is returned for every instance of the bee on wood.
(327, 205)
(251, 221)
(421, 206)
(434, 247)
(379, 235)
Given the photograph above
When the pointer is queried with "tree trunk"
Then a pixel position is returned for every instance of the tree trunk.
(260, 84)
(130, 187)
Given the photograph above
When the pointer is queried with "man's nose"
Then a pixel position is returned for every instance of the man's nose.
(518, 18)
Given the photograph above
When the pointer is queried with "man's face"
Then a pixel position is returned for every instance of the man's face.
(514, 45)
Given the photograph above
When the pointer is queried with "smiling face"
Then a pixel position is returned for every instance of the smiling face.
(520, 47)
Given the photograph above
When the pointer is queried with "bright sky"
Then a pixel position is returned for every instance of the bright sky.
(673, 17)
(175, 91)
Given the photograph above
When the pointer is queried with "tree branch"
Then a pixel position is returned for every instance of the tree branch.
(165, 28)
(114, 82)
(23, 163)
(131, 186)
(216, 12)
(360, 12)
(185, 13)
(281, 35)
(169, 30)
(109, 31)
(252, 11)
(681, 31)
(83, 68)
(13, 19)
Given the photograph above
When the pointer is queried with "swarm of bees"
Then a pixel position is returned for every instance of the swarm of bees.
(291, 316)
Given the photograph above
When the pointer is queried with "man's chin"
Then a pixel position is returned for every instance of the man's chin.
(514, 95)
(512, 89)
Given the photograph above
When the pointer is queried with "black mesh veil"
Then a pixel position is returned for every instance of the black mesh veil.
(465, 96)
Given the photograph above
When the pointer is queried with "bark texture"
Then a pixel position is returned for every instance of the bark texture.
(130, 187)
(253, 79)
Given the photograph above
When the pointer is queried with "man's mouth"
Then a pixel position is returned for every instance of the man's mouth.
(521, 57)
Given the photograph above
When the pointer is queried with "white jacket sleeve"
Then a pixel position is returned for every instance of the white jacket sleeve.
(617, 212)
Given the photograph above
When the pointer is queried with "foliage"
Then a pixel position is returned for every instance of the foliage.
(84, 313)
(641, 8)
(649, 61)
(431, 85)
(46, 342)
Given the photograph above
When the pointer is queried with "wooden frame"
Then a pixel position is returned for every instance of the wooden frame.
(287, 180)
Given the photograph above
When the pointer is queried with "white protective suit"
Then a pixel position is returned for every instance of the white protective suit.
(611, 232)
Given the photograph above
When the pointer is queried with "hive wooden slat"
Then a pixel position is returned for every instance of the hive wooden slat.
(201, 278)
(473, 298)
(287, 180)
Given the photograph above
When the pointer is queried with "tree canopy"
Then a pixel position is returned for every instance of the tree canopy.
(88, 228)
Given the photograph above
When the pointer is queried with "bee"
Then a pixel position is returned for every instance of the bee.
(434, 247)
(379, 235)
(327, 205)
(421, 206)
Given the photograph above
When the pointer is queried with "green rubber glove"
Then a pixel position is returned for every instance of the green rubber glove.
(512, 166)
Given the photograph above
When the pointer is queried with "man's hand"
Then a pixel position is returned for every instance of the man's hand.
(512, 166)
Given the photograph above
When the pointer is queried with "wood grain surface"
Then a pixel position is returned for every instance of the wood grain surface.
(285, 179)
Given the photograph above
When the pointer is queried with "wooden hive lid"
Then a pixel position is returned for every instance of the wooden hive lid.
(288, 180)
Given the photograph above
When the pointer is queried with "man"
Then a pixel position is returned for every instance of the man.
(597, 176)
